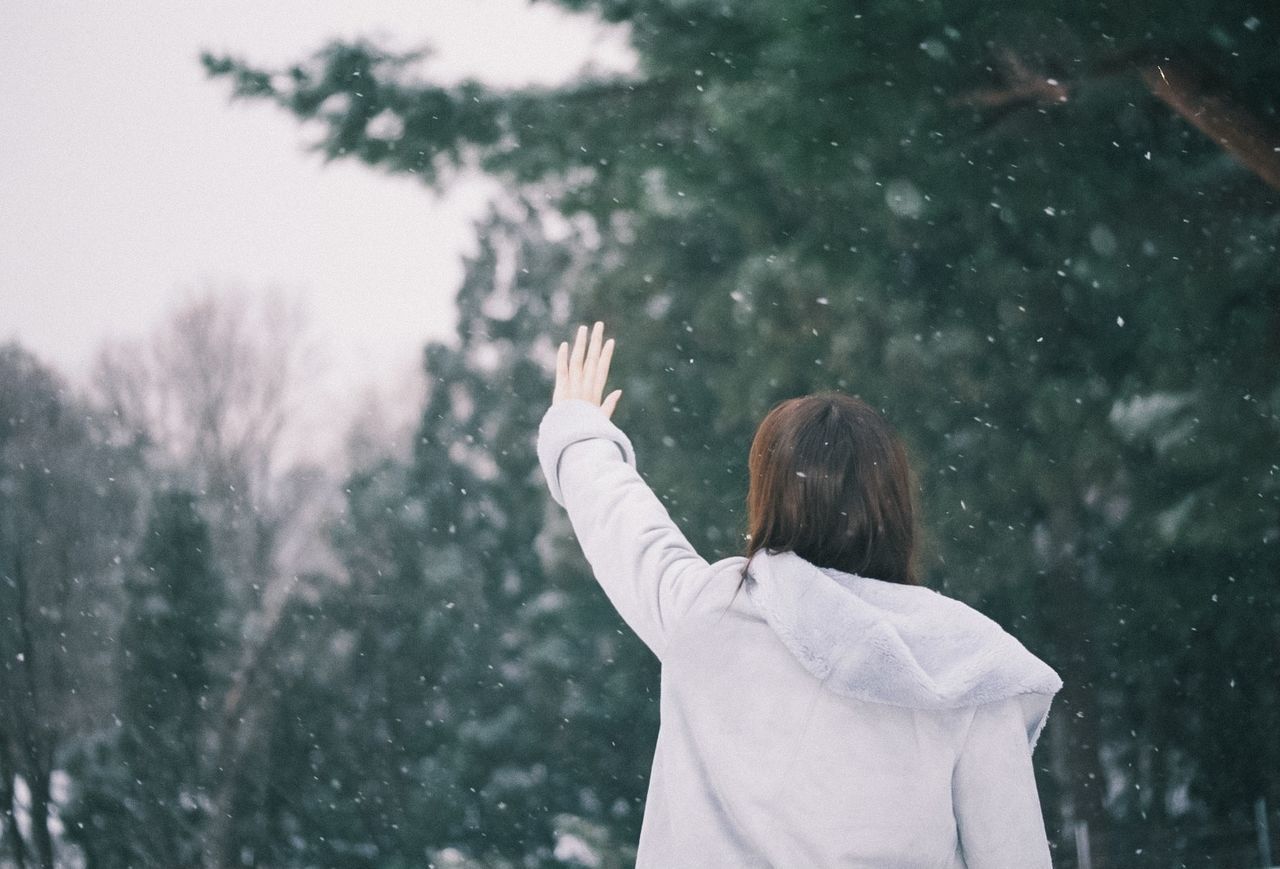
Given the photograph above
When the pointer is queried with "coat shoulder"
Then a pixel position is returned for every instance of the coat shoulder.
(719, 584)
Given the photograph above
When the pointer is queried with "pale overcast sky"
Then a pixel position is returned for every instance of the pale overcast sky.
(128, 178)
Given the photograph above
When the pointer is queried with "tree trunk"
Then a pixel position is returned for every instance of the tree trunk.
(1069, 625)
(237, 727)
(31, 723)
(43, 842)
(17, 848)
(220, 841)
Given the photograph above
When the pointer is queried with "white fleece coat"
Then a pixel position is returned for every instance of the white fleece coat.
(813, 718)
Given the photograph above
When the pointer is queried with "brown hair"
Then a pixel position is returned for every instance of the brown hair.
(830, 481)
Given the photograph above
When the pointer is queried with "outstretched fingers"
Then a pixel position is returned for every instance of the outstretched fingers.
(602, 371)
(611, 402)
(575, 363)
(591, 363)
(582, 370)
(562, 373)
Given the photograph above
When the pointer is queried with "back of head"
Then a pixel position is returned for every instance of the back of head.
(830, 482)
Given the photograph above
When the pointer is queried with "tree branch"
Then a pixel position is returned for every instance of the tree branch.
(1235, 129)
(1179, 84)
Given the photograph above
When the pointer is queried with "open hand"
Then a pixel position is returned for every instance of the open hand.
(582, 373)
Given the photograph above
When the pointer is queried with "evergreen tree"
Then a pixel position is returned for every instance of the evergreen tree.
(141, 798)
(454, 692)
(67, 502)
(995, 223)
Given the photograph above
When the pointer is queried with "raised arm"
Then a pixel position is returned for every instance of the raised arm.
(646, 566)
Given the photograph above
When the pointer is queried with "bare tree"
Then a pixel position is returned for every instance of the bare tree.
(212, 396)
(211, 393)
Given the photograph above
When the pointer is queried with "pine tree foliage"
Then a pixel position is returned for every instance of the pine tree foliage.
(141, 783)
(981, 217)
(467, 693)
(67, 504)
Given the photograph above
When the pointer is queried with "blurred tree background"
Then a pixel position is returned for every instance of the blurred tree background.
(1042, 240)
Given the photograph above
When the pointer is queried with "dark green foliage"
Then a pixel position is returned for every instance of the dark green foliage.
(141, 784)
(453, 692)
(1068, 306)
(66, 510)
(173, 630)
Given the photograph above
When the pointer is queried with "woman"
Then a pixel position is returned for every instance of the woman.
(837, 713)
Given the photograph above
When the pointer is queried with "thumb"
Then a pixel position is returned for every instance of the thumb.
(611, 402)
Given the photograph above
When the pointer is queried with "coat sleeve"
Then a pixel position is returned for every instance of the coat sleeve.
(647, 568)
(997, 806)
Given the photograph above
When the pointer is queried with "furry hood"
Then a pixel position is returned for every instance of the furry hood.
(897, 644)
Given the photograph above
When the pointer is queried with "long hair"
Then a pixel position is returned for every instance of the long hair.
(830, 481)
